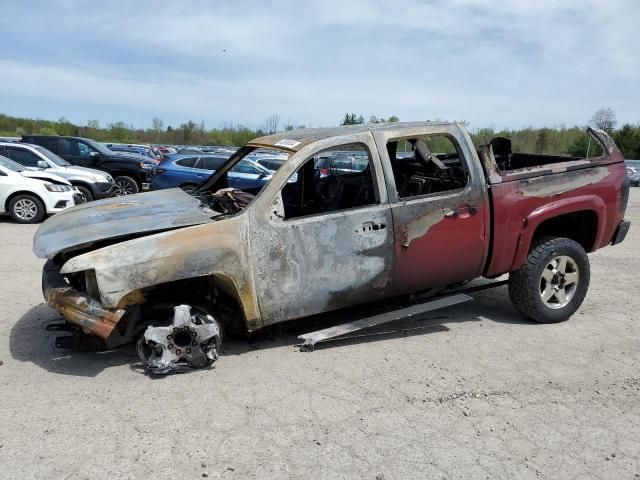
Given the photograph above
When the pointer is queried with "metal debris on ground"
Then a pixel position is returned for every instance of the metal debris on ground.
(191, 341)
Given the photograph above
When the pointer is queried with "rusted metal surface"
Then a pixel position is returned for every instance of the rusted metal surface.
(76, 307)
(117, 217)
(322, 262)
(551, 185)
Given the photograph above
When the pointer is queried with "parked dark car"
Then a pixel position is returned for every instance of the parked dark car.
(340, 164)
(131, 172)
(143, 150)
(189, 171)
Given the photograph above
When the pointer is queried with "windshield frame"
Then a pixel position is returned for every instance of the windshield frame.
(240, 154)
(102, 149)
(58, 161)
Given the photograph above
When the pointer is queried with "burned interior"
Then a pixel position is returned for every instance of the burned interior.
(347, 182)
(427, 165)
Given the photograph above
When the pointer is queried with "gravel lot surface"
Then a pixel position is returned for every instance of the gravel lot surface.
(472, 391)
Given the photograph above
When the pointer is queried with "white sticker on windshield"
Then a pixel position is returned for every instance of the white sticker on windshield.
(286, 143)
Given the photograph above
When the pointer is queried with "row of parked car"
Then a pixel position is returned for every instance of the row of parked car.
(42, 174)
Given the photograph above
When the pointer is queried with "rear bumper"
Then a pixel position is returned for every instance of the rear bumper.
(77, 307)
(621, 232)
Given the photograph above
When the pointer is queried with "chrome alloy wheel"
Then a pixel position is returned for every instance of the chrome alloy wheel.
(559, 282)
(25, 209)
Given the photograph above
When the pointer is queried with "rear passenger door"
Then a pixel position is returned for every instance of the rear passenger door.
(438, 205)
(76, 152)
(22, 156)
(187, 172)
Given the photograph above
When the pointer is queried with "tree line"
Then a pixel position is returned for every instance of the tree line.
(558, 140)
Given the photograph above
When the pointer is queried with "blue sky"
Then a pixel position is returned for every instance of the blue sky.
(509, 63)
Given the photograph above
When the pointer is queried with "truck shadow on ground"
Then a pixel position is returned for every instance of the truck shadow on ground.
(30, 341)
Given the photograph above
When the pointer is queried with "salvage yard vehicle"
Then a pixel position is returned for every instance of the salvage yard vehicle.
(131, 172)
(174, 269)
(93, 184)
(29, 196)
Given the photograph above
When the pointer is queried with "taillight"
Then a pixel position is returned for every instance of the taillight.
(324, 171)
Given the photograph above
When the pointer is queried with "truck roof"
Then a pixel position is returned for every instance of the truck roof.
(294, 140)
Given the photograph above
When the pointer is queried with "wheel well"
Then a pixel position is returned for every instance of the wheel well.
(213, 292)
(22, 192)
(579, 226)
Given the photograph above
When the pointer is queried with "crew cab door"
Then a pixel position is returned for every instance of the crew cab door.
(22, 156)
(438, 201)
(77, 152)
(322, 243)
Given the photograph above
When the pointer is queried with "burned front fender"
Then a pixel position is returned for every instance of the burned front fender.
(75, 306)
(121, 274)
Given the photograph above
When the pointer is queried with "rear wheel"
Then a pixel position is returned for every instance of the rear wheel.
(552, 284)
(126, 185)
(26, 209)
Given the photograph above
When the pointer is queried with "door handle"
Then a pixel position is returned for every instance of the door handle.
(466, 210)
(371, 227)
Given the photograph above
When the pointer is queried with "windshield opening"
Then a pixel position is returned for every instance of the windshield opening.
(238, 181)
(53, 157)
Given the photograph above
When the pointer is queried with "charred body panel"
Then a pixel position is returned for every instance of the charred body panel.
(118, 217)
(319, 263)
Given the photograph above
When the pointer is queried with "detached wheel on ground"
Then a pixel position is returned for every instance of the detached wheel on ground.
(26, 209)
(86, 192)
(126, 185)
(552, 284)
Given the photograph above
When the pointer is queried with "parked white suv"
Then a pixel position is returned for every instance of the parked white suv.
(28, 196)
(93, 184)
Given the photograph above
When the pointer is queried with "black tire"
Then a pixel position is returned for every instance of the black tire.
(86, 192)
(526, 285)
(26, 208)
(126, 185)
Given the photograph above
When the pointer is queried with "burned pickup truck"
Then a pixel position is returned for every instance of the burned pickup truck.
(400, 209)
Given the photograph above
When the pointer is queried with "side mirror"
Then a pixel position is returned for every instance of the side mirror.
(42, 164)
(94, 155)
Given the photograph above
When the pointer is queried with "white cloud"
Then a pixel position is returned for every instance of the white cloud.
(512, 62)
